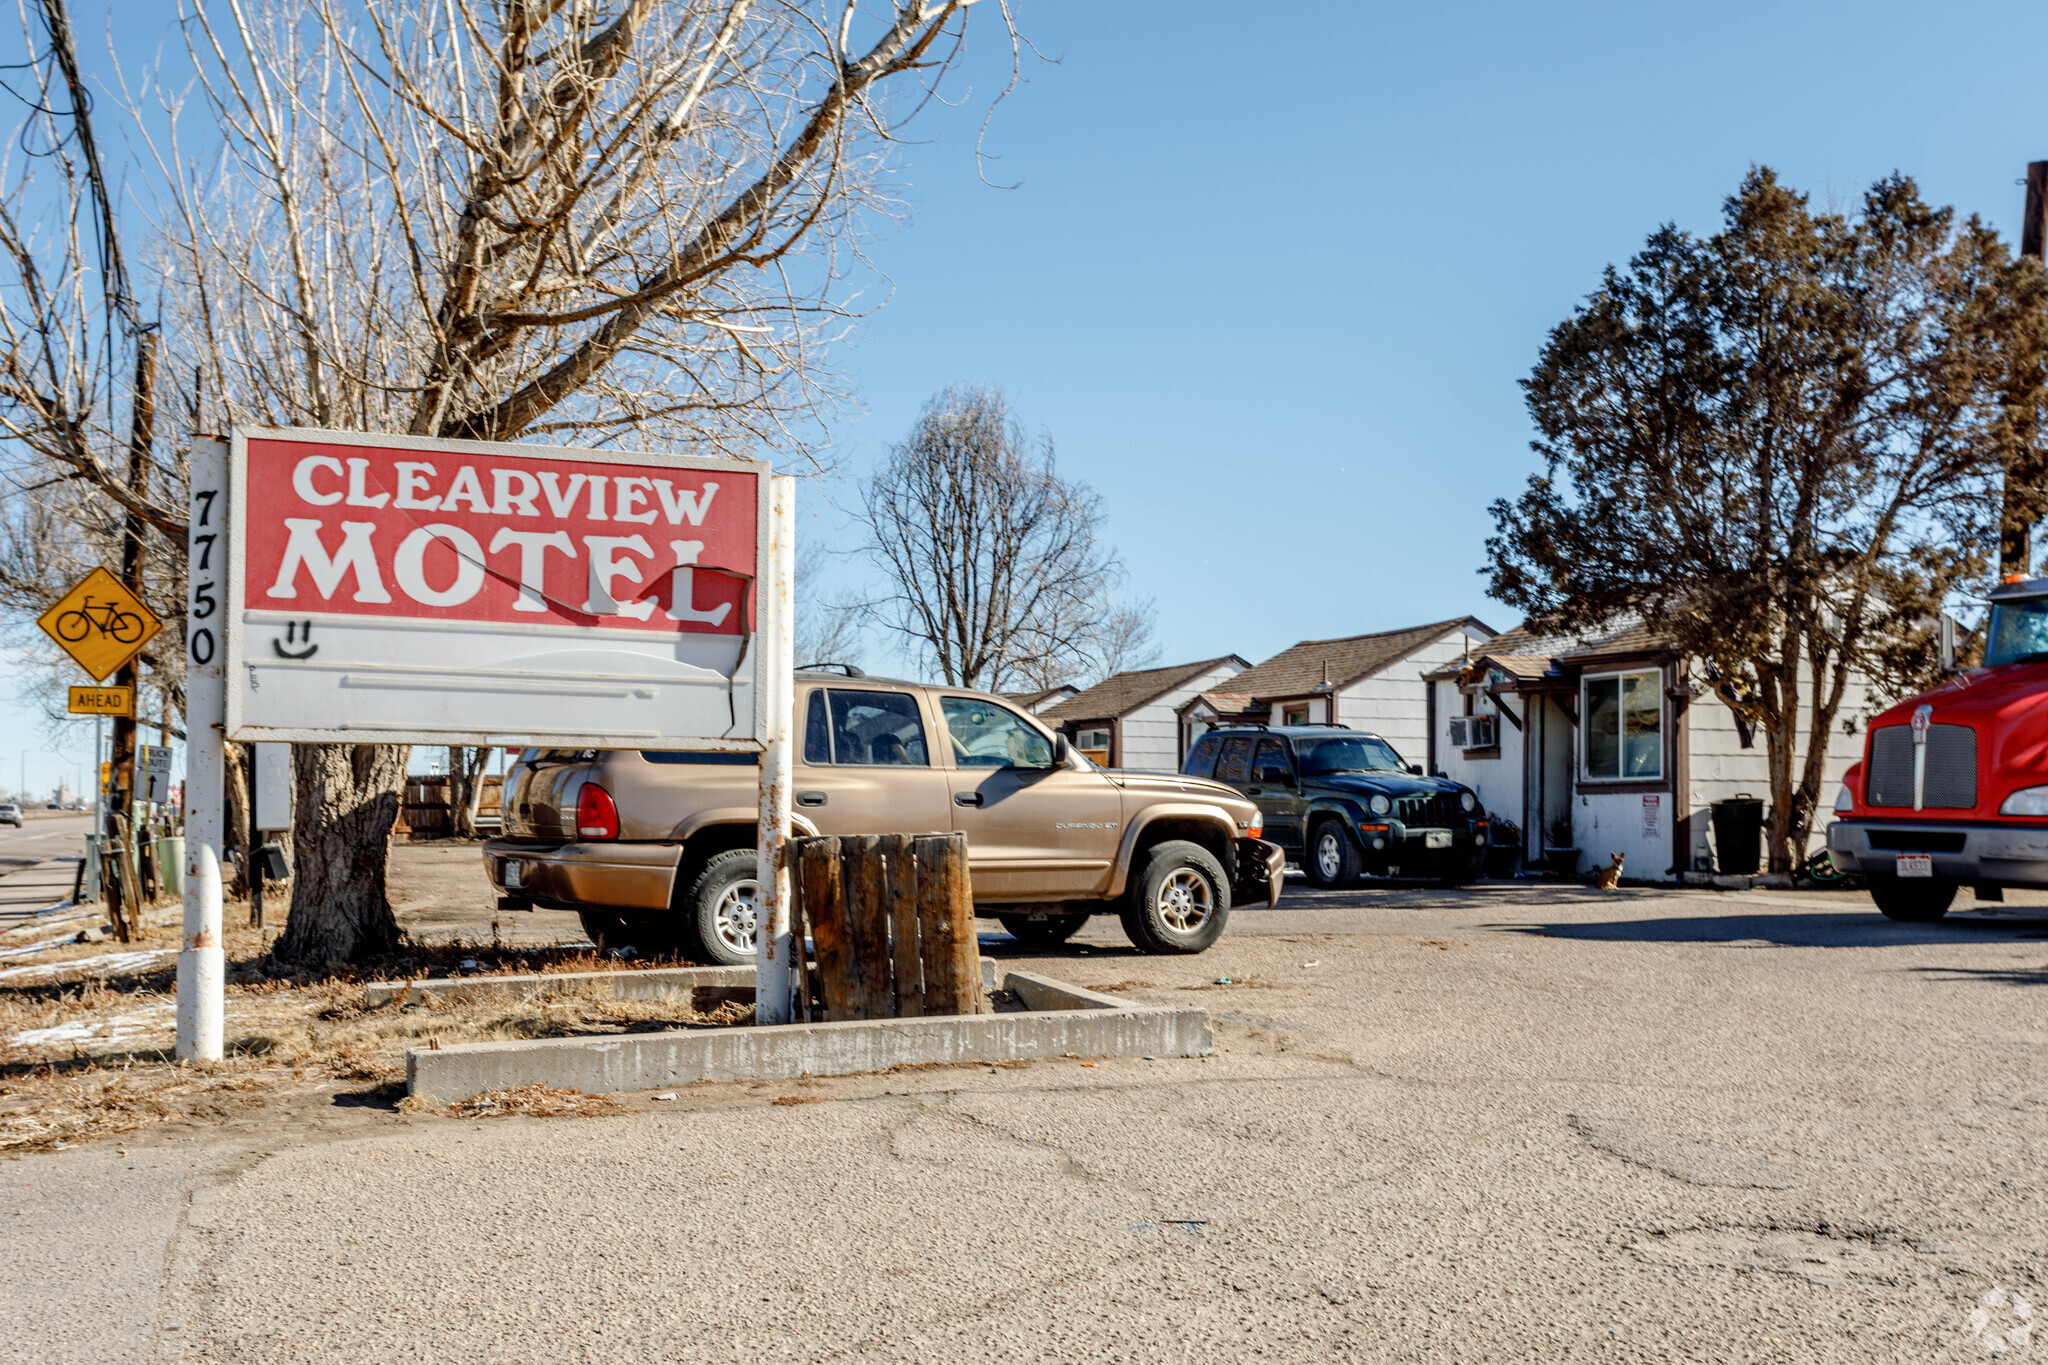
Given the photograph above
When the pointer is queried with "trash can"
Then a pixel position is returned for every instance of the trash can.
(1738, 835)
(170, 864)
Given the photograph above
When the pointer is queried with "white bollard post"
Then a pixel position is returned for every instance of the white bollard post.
(774, 665)
(200, 964)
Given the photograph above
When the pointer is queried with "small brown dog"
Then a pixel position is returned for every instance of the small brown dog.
(1609, 877)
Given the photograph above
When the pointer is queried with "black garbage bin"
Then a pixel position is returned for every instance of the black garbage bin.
(1738, 835)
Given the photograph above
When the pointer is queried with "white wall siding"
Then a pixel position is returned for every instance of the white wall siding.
(1149, 737)
(1722, 768)
(1394, 703)
(1498, 781)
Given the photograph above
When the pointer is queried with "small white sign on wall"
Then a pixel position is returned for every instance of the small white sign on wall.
(1653, 812)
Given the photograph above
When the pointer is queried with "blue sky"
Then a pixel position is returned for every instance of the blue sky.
(1272, 272)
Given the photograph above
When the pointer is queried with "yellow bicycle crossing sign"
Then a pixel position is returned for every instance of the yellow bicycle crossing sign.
(100, 623)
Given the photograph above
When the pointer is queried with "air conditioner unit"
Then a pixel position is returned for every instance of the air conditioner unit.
(1475, 732)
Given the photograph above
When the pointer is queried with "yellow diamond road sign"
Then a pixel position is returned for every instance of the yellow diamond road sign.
(101, 623)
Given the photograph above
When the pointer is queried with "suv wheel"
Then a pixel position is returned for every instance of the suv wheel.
(1915, 902)
(1333, 856)
(1179, 902)
(718, 910)
(1045, 931)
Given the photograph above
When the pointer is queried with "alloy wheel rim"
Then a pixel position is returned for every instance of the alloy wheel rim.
(1185, 900)
(734, 919)
(1329, 856)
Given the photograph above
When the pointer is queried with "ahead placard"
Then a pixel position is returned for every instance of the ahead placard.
(386, 589)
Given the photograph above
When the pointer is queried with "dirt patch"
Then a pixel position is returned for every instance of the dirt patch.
(86, 1048)
(1122, 986)
(1226, 983)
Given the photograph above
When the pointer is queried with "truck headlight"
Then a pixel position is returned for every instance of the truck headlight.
(2026, 801)
(1467, 802)
(1379, 805)
(1843, 800)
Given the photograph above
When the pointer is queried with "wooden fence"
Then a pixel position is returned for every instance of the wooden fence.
(892, 918)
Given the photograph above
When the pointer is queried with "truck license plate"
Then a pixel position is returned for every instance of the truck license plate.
(1916, 865)
(513, 870)
(1436, 838)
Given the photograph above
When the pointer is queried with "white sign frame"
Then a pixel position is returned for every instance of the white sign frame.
(595, 730)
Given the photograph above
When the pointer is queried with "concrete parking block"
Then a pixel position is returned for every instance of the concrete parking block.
(650, 983)
(1063, 1020)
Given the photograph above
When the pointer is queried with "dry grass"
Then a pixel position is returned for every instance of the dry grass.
(537, 1101)
(1122, 986)
(85, 1056)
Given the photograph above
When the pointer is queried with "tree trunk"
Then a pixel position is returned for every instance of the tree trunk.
(348, 797)
(465, 776)
(234, 884)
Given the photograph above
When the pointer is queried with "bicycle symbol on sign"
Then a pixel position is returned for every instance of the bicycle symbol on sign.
(107, 619)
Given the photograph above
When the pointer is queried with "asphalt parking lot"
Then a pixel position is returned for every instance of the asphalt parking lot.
(1512, 1122)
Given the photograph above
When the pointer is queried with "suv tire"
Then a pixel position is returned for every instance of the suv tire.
(1334, 858)
(1179, 902)
(1912, 902)
(1047, 932)
(716, 913)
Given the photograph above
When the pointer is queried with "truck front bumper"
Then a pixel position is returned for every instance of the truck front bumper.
(1985, 855)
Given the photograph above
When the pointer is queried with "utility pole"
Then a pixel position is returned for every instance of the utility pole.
(2026, 478)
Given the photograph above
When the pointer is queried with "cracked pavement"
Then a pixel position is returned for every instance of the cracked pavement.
(1513, 1122)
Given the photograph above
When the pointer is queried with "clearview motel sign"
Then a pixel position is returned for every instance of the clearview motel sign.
(402, 590)
(344, 588)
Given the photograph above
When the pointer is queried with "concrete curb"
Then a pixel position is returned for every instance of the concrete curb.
(1064, 1020)
(651, 983)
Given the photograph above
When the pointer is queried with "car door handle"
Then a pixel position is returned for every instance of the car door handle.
(966, 798)
(810, 798)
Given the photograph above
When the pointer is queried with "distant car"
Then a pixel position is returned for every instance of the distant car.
(1342, 802)
(10, 814)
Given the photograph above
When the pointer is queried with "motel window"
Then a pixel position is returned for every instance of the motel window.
(1623, 724)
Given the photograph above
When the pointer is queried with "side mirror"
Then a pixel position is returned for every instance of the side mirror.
(1416, 768)
(1061, 751)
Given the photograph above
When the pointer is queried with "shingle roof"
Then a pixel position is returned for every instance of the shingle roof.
(1031, 701)
(1122, 693)
(1232, 704)
(1526, 656)
(1296, 672)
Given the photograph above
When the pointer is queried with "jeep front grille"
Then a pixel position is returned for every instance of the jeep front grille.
(1428, 811)
(1951, 767)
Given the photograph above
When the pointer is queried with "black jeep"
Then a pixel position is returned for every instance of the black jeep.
(1342, 802)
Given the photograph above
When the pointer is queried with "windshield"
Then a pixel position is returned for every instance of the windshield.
(1347, 754)
(2018, 631)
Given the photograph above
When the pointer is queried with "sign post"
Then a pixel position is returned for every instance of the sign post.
(774, 975)
(200, 963)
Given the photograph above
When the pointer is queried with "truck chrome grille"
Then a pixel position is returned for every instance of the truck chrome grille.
(1424, 811)
(1951, 767)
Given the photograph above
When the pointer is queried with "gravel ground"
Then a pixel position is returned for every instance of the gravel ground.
(1509, 1123)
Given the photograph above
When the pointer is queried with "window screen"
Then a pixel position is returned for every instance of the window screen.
(1624, 726)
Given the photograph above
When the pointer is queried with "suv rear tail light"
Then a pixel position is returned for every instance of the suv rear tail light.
(597, 815)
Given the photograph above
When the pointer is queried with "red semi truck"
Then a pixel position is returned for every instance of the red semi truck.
(1953, 787)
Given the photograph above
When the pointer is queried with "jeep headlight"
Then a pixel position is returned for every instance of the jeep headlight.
(1845, 801)
(2026, 801)
(1379, 804)
(1467, 802)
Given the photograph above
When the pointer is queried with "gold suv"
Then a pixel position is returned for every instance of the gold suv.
(656, 848)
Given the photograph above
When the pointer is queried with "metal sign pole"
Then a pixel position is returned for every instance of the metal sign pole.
(774, 977)
(200, 964)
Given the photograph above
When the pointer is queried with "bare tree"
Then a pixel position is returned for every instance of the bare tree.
(589, 220)
(997, 571)
(828, 617)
